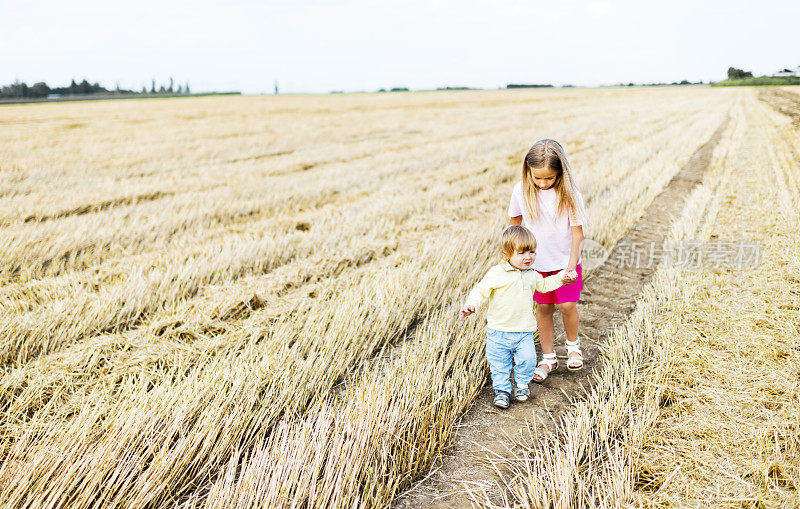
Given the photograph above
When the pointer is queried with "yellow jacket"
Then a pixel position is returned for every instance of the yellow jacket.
(510, 295)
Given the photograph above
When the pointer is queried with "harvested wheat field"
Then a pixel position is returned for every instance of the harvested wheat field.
(252, 302)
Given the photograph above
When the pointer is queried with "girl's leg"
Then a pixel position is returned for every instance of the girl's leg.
(544, 322)
(499, 355)
(569, 311)
(524, 359)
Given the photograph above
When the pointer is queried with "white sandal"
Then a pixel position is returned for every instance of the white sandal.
(552, 363)
(576, 362)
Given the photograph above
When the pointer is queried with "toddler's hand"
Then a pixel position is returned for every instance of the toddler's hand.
(465, 311)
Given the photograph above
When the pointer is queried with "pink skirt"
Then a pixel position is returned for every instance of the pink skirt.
(566, 293)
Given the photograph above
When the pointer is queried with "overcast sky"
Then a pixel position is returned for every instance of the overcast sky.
(324, 45)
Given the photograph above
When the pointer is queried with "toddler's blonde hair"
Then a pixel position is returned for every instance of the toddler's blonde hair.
(516, 238)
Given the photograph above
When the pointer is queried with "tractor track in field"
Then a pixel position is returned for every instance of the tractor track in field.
(608, 298)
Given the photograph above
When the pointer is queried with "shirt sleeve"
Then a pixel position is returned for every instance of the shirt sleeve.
(480, 292)
(579, 217)
(515, 207)
(547, 284)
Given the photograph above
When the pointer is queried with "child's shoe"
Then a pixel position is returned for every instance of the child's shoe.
(521, 392)
(502, 399)
(574, 362)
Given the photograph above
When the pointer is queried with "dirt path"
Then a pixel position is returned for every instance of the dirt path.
(607, 300)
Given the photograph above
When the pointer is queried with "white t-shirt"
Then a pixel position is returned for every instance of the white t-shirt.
(553, 234)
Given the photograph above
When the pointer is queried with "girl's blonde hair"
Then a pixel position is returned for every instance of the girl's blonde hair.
(550, 154)
(516, 238)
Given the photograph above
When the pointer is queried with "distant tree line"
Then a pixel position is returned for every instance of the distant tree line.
(660, 84)
(20, 89)
(523, 85)
(738, 74)
(739, 77)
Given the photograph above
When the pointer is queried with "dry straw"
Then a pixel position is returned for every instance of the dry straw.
(248, 304)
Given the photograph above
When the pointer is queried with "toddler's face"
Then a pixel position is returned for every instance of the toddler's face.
(543, 178)
(522, 260)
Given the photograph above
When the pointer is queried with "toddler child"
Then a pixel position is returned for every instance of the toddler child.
(509, 288)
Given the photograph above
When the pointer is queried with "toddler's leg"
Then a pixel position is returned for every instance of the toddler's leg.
(524, 360)
(499, 355)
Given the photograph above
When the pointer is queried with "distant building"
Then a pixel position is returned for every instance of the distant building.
(787, 72)
(53, 96)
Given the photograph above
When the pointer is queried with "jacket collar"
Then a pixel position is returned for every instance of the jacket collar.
(508, 266)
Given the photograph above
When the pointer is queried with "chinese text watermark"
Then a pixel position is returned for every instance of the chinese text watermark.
(687, 255)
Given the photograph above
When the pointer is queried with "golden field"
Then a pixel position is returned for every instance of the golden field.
(251, 301)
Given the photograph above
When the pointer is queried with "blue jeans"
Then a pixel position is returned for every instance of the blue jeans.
(503, 348)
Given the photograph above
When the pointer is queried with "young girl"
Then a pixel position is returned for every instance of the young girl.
(548, 203)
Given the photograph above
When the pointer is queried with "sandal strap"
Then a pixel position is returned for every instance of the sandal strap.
(549, 359)
(573, 347)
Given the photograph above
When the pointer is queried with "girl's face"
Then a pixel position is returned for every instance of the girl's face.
(543, 178)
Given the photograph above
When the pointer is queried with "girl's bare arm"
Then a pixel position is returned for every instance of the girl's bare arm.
(577, 246)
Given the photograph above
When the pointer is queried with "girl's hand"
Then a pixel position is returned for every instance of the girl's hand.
(567, 276)
(465, 311)
(572, 273)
